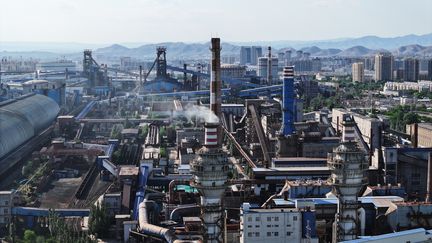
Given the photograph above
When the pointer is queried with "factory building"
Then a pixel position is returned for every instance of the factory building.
(421, 134)
(233, 71)
(57, 66)
(263, 67)
(53, 89)
(276, 225)
(23, 118)
(370, 128)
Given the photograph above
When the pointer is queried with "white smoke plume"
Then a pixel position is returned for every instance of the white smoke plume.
(200, 112)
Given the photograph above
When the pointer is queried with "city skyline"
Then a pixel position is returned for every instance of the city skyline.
(135, 21)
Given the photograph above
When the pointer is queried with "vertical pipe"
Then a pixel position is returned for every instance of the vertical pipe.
(429, 179)
(415, 137)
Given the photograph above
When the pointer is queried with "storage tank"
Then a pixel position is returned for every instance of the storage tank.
(23, 118)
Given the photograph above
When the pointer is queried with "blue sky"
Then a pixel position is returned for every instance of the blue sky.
(110, 21)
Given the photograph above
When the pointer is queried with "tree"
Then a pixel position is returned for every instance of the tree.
(29, 236)
(99, 220)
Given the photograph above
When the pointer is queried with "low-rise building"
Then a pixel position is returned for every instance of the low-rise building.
(276, 225)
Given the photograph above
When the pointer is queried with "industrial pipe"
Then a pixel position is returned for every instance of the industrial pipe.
(190, 210)
(283, 190)
(146, 227)
(171, 186)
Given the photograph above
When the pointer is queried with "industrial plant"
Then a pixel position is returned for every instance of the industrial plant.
(214, 149)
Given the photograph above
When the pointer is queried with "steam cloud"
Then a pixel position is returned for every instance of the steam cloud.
(200, 112)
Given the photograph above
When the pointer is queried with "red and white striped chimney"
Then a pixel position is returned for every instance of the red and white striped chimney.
(211, 134)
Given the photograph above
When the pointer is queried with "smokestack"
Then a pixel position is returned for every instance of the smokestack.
(140, 74)
(429, 180)
(348, 129)
(211, 134)
(216, 83)
(288, 101)
(269, 67)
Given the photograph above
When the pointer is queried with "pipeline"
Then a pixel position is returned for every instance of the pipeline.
(189, 210)
(171, 186)
(151, 229)
(283, 190)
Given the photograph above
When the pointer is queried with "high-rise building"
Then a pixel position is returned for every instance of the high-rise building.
(383, 67)
(250, 54)
(256, 52)
(411, 69)
(245, 54)
(357, 72)
(430, 69)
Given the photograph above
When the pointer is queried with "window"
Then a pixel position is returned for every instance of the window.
(269, 225)
(250, 234)
(268, 233)
(257, 226)
(6, 203)
(249, 219)
(249, 226)
(6, 211)
(276, 225)
(257, 234)
(268, 218)
(257, 219)
(295, 218)
(276, 219)
(288, 233)
(276, 233)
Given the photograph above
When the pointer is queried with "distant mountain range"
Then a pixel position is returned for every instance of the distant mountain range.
(409, 45)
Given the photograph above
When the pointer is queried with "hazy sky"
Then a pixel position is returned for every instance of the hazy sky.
(110, 21)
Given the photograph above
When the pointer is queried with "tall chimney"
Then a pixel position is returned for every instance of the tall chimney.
(269, 67)
(288, 101)
(429, 180)
(140, 74)
(216, 83)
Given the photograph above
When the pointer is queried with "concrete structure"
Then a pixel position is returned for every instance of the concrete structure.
(411, 69)
(53, 89)
(245, 55)
(358, 72)
(233, 71)
(421, 85)
(276, 225)
(263, 67)
(57, 66)
(256, 52)
(250, 54)
(210, 169)
(384, 67)
(424, 134)
(348, 165)
(370, 128)
(6, 204)
(288, 101)
(430, 69)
